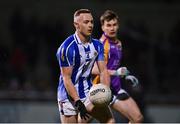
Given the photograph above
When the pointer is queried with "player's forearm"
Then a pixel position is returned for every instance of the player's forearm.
(71, 89)
(112, 72)
(96, 72)
(105, 77)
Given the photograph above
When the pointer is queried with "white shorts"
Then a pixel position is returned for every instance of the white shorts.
(67, 108)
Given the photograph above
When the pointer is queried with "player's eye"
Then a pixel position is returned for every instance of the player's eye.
(108, 25)
(92, 22)
(115, 24)
(86, 21)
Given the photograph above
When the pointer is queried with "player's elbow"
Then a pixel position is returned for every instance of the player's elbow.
(95, 71)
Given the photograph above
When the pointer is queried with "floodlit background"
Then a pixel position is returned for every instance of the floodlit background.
(32, 30)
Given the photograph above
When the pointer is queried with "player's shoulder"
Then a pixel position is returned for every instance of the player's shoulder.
(119, 42)
(68, 41)
(66, 44)
(103, 38)
(96, 41)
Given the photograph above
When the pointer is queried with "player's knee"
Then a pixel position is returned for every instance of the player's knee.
(138, 119)
(112, 120)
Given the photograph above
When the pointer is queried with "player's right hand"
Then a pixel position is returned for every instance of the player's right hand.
(122, 71)
(133, 80)
(82, 109)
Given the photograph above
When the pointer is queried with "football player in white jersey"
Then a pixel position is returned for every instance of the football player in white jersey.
(76, 57)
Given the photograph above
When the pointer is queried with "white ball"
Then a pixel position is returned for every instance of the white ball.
(100, 94)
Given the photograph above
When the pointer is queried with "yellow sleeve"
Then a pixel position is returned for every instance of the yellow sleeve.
(106, 50)
(106, 56)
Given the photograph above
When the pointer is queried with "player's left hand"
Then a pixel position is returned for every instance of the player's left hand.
(122, 71)
(133, 80)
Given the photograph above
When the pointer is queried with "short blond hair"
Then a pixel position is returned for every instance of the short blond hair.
(80, 11)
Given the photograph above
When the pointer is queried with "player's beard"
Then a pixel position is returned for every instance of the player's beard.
(86, 34)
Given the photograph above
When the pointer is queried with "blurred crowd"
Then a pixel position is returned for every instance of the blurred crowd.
(29, 64)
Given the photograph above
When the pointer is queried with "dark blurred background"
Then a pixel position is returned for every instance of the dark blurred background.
(32, 30)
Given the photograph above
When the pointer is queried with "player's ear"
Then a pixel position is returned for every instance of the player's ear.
(118, 26)
(76, 25)
(102, 27)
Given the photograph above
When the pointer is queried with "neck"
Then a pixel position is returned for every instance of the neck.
(113, 39)
(84, 39)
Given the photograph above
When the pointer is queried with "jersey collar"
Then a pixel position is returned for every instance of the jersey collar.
(78, 39)
(115, 42)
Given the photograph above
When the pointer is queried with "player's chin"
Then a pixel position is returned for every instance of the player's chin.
(89, 33)
(112, 35)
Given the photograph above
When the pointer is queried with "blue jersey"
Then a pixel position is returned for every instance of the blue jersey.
(73, 53)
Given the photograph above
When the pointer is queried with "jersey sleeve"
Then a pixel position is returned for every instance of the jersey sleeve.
(106, 51)
(65, 56)
(100, 56)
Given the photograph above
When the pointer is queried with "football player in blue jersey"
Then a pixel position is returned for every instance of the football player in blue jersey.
(76, 57)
